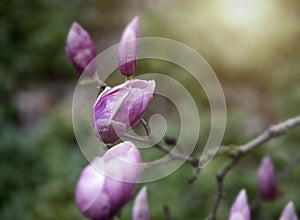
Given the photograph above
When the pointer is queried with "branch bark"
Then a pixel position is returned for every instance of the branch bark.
(273, 132)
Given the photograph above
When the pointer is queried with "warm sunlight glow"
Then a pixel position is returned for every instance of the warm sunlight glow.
(242, 12)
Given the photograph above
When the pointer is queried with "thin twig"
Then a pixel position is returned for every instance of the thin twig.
(193, 161)
(173, 155)
(256, 202)
(197, 170)
(292, 163)
(99, 82)
(273, 132)
(195, 175)
(167, 212)
(135, 138)
(146, 126)
(219, 193)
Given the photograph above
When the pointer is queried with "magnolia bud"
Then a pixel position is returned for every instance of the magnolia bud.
(128, 48)
(240, 208)
(288, 212)
(99, 197)
(266, 178)
(140, 209)
(119, 108)
(80, 48)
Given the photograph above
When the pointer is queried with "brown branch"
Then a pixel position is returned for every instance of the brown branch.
(172, 155)
(193, 161)
(197, 170)
(235, 153)
(195, 175)
(273, 132)
(219, 194)
(146, 126)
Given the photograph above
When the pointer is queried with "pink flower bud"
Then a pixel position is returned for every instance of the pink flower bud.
(240, 208)
(99, 197)
(288, 212)
(119, 108)
(80, 48)
(266, 178)
(140, 209)
(128, 48)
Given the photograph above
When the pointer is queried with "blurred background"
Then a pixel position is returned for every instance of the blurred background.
(253, 46)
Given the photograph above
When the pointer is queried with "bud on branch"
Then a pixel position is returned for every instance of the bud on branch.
(119, 108)
(80, 47)
(100, 197)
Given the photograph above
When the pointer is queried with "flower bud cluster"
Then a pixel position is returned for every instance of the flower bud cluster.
(110, 181)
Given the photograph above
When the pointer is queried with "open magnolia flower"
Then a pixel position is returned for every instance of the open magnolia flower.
(119, 108)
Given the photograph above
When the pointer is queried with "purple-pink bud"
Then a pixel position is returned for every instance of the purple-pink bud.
(140, 209)
(240, 208)
(288, 212)
(118, 109)
(98, 196)
(128, 48)
(80, 47)
(266, 177)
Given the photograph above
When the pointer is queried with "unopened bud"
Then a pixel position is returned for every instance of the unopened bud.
(140, 207)
(288, 212)
(128, 48)
(266, 177)
(240, 208)
(80, 47)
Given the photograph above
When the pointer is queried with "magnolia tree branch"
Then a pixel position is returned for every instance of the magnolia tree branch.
(272, 132)
(178, 156)
(146, 126)
(235, 153)
(172, 155)
(219, 191)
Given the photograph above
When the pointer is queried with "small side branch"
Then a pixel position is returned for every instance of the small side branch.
(219, 191)
(146, 126)
(290, 166)
(167, 212)
(178, 156)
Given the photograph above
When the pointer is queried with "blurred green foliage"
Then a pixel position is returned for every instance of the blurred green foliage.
(258, 66)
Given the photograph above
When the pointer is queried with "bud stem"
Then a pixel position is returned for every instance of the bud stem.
(128, 78)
